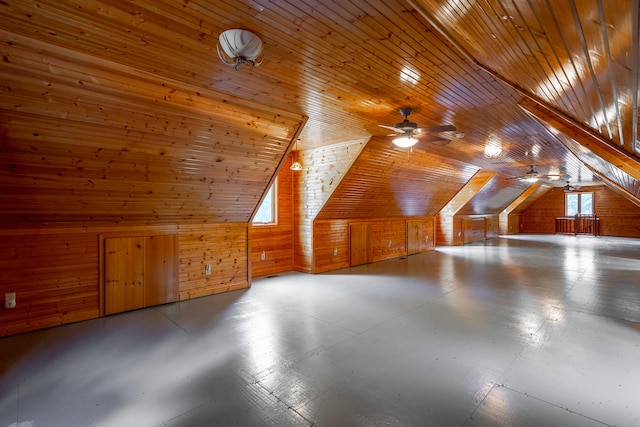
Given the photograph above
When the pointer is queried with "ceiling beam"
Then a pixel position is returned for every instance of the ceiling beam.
(596, 143)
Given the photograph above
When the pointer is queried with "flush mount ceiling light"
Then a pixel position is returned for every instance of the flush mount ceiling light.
(493, 149)
(405, 141)
(296, 165)
(237, 47)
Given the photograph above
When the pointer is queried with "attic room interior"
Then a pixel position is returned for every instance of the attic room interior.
(166, 156)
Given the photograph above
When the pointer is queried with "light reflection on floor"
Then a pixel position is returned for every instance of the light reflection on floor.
(524, 330)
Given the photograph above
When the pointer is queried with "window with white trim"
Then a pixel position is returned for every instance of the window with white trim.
(578, 203)
(267, 212)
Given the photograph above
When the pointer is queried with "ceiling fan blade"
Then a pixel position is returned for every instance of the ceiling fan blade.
(435, 139)
(441, 128)
(391, 128)
(441, 142)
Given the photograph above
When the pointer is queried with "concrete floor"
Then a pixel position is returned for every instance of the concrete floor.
(520, 331)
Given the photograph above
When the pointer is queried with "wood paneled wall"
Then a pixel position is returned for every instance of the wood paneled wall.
(492, 224)
(324, 168)
(420, 235)
(386, 239)
(618, 216)
(275, 240)
(473, 229)
(224, 247)
(331, 245)
(56, 272)
(389, 182)
(540, 216)
(510, 224)
(449, 228)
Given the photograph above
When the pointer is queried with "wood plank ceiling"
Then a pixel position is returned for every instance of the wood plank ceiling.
(123, 110)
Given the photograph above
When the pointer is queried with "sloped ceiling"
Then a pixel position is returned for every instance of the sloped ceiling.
(123, 111)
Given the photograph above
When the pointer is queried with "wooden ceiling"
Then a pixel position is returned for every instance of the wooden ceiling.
(123, 110)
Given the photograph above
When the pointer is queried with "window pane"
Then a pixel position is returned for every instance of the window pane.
(572, 204)
(266, 213)
(586, 204)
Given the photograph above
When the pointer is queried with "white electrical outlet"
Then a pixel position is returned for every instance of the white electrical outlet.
(263, 256)
(335, 251)
(10, 300)
(207, 270)
(389, 244)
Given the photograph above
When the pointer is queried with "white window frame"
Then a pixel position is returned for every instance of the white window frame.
(579, 194)
(271, 198)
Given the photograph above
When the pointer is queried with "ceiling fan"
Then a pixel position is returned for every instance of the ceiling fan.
(407, 133)
(533, 175)
(569, 188)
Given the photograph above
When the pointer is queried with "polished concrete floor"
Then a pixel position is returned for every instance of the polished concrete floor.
(519, 331)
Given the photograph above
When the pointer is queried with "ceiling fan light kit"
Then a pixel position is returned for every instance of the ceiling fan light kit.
(405, 141)
(407, 133)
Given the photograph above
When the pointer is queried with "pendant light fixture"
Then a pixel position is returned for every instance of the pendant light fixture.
(296, 165)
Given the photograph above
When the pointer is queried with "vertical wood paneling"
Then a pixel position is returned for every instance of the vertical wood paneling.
(331, 245)
(55, 277)
(492, 226)
(359, 244)
(161, 270)
(224, 247)
(276, 240)
(124, 279)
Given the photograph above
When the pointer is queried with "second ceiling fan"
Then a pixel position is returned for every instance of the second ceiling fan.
(407, 133)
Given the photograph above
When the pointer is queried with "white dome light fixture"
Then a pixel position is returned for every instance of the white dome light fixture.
(493, 148)
(237, 47)
(405, 141)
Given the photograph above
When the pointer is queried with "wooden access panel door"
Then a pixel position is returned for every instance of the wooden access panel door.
(414, 237)
(359, 242)
(139, 272)
(160, 281)
(123, 274)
